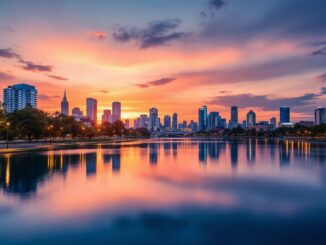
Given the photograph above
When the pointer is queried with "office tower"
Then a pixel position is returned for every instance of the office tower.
(174, 121)
(137, 123)
(272, 122)
(284, 114)
(91, 109)
(244, 124)
(106, 117)
(65, 105)
(234, 117)
(213, 119)
(153, 120)
(127, 124)
(143, 121)
(76, 112)
(116, 111)
(18, 96)
(167, 122)
(320, 115)
(201, 119)
(251, 119)
(205, 117)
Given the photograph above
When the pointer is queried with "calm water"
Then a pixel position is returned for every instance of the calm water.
(185, 191)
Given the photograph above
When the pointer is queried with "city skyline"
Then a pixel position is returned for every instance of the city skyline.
(189, 58)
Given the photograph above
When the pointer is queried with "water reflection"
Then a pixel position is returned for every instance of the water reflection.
(20, 174)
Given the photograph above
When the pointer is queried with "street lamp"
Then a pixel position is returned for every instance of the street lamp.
(7, 127)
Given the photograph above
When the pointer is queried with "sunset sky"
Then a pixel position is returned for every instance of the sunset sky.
(173, 55)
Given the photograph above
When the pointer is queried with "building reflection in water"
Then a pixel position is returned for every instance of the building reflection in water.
(251, 151)
(153, 153)
(234, 154)
(116, 161)
(202, 152)
(285, 153)
(167, 148)
(20, 174)
(90, 164)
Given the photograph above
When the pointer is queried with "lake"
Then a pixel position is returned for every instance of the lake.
(166, 191)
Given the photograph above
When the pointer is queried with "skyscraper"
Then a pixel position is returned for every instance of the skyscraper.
(272, 122)
(234, 117)
(153, 120)
(116, 111)
(320, 115)
(106, 117)
(213, 119)
(251, 119)
(167, 122)
(65, 105)
(201, 119)
(284, 114)
(18, 96)
(143, 121)
(91, 109)
(174, 121)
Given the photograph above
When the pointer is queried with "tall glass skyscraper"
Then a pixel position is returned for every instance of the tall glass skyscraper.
(320, 115)
(65, 105)
(167, 122)
(234, 117)
(251, 119)
(285, 114)
(18, 96)
(91, 109)
(201, 119)
(116, 111)
(174, 121)
(153, 120)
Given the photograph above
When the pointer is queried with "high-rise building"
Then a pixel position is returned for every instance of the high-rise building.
(272, 122)
(137, 123)
(202, 118)
(285, 114)
(251, 119)
(174, 121)
(205, 116)
(106, 116)
(213, 119)
(234, 117)
(65, 105)
(320, 115)
(76, 112)
(116, 111)
(153, 120)
(167, 122)
(18, 96)
(143, 121)
(91, 109)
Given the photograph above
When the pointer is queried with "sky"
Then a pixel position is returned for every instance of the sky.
(173, 55)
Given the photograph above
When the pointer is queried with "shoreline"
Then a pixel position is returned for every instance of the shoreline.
(20, 147)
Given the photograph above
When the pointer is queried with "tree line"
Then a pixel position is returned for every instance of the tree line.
(33, 124)
(298, 130)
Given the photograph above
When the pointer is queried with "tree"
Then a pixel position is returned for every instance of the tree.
(28, 123)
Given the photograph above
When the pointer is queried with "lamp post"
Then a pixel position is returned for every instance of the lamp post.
(7, 127)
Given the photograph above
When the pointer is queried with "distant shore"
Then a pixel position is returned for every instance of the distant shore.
(24, 146)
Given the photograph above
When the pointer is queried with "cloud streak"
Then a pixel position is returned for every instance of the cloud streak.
(159, 82)
(57, 77)
(157, 33)
(5, 76)
(263, 101)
